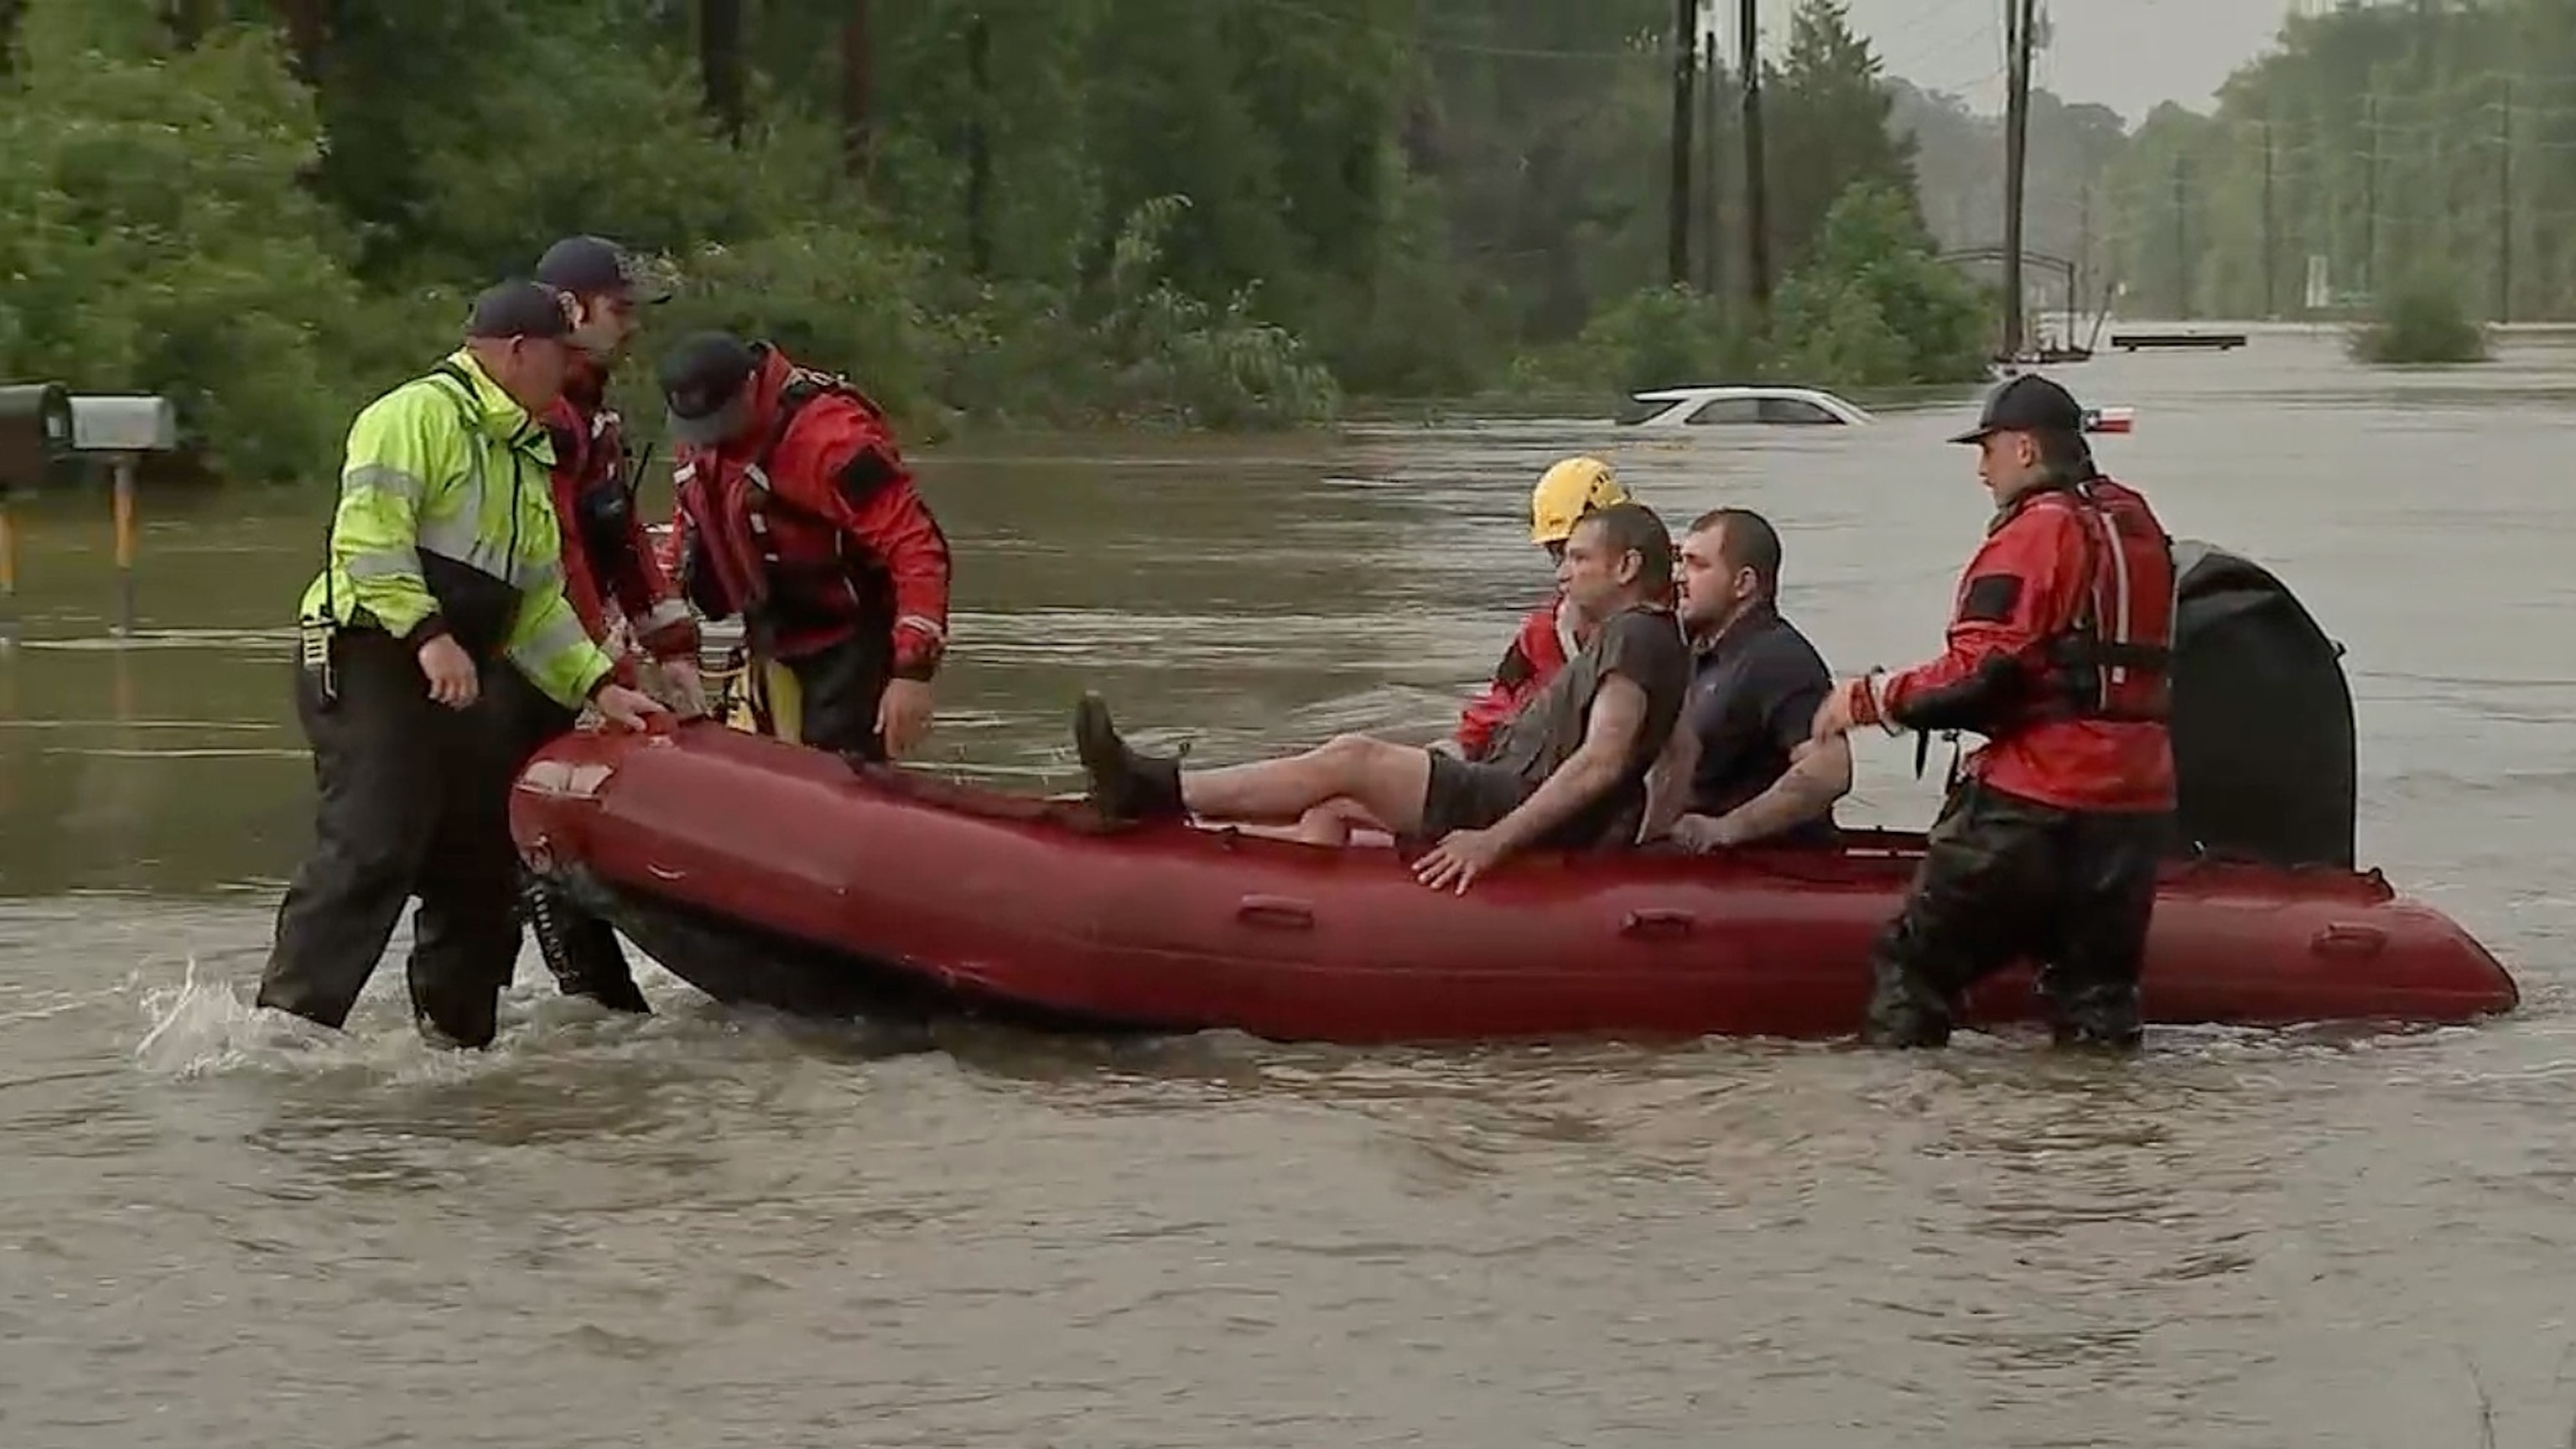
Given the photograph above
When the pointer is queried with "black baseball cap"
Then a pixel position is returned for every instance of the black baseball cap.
(704, 383)
(2029, 403)
(592, 266)
(519, 308)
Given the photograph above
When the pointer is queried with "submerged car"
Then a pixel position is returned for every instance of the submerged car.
(1738, 404)
(1741, 403)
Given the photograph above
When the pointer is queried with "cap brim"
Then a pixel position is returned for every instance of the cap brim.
(1972, 435)
(712, 429)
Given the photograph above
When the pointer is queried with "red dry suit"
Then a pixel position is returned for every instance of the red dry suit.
(1541, 647)
(2058, 652)
(607, 555)
(809, 527)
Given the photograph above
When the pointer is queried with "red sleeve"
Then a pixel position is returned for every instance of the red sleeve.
(882, 510)
(1489, 711)
(1516, 678)
(636, 575)
(2011, 596)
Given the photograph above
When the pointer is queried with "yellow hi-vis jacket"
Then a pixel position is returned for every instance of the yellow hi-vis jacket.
(446, 524)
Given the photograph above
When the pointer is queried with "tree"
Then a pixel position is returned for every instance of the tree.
(1828, 108)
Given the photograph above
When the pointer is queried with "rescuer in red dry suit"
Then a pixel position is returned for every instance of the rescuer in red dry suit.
(609, 560)
(2058, 653)
(797, 513)
(1551, 633)
(612, 577)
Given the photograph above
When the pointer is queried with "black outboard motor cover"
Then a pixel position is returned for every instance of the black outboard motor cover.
(2264, 758)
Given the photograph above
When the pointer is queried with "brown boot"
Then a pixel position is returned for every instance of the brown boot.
(1124, 784)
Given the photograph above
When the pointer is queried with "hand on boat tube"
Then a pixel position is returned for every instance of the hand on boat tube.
(682, 688)
(629, 709)
(1459, 859)
(903, 716)
(1700, 834)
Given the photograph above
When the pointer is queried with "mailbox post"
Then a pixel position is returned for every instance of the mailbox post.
(120, 430)
(35, 432)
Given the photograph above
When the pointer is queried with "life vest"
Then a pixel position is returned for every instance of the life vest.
(2113, 661)
(593, 456)
(799, 579)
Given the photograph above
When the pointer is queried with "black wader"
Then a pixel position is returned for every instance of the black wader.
(840, 688)
(414, 801)
(2007, 878)
(579, 948)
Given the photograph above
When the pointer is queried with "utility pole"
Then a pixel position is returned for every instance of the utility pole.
(2370, 200)
(1712, 236)
(2083, 256)
(2182, 233)
(2271, 249)
(2504, 206)
(1757, 217)
(2020, 24)
(1685, 64)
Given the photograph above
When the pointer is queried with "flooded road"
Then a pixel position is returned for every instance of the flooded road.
(709, 1229)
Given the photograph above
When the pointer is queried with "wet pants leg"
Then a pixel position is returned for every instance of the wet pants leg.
(397, 776)
(1982, 897)
(841, 687)
(2105, 902)
(2006, 879)
(465, 936)
(580, 949)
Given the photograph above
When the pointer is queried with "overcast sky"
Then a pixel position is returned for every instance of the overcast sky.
(2126, 54)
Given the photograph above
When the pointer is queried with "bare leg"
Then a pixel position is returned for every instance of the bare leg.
(1385, 780)
(1332, 823)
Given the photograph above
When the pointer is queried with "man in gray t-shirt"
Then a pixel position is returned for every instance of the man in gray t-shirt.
(1567, 772)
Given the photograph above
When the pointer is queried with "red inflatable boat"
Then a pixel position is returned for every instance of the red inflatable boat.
(770, 874)
(766, 873)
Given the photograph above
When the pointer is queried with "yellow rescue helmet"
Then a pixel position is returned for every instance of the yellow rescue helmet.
(1566, 492)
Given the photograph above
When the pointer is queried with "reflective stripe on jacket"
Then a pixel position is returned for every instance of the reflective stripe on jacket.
(447, 476)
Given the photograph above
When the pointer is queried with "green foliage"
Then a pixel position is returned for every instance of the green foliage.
(1067, 212)
(2385, 139)
(1874, 307)
(2421, 321)
(156, 236)
(1828, 113)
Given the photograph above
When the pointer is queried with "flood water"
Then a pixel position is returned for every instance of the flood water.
(709, 1229)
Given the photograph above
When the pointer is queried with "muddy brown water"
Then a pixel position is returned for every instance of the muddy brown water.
(710, 1228)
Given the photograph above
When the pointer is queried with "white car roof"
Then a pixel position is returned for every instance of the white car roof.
(1712, 392)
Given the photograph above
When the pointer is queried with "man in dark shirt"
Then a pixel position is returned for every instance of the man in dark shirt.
(1568, 772)
(1740, 769)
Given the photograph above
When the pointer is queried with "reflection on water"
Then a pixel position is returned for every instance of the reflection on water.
(228, 1230)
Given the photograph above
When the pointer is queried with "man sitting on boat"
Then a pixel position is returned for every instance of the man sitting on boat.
(1567, 772)
(1740, 767)
(1553, 631)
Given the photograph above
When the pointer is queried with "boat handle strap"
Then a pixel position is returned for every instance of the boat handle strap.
(1284, 912)
(1657, 921)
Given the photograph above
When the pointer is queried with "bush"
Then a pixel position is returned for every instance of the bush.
(155, 237)
(2420, 320)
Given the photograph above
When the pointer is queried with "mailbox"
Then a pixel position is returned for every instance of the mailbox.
(124, 425)
(35, 431)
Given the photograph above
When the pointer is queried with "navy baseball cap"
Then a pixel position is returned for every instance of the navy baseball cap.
(2029, 403)
(705, 386)
(592, 266)
(519, 308)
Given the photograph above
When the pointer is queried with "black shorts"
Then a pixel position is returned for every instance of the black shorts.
(1468, 795)
(1473, 795)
